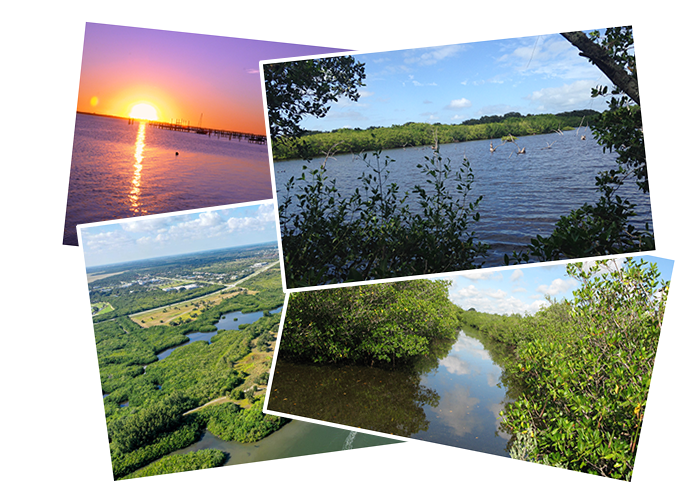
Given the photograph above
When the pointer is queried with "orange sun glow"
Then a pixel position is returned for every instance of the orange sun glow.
(143, 111)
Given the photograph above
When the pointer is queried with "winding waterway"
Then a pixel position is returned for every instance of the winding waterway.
(454, 398)
(295, 439)
(229, 321)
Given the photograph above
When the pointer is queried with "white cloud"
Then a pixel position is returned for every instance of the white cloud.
(459, 103)
(552, 56)
(427, 57)
(557, 287)
(572, 95)
(105, 241)
(517, 274)
(482, 275)
(496, 294)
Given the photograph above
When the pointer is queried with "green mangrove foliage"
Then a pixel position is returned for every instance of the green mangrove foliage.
(379, 323)
(230, 423)
(604, 228)
(329, 237)
(202, 459)
(188, 433)
(423, 134)
(584, 368)
(142, 428)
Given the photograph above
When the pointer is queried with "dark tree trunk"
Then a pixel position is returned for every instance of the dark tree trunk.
(599, 56)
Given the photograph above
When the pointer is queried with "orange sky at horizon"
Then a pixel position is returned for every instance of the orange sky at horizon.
(183, 76)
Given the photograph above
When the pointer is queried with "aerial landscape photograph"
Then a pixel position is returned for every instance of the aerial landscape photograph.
(186, 309)
(475, 155)
(550, 364)
(167, 121)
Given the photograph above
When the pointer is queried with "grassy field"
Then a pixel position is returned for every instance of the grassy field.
(184, 311)
(102, 308)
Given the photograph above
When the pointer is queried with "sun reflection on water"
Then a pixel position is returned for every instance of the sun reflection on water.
(135, 194)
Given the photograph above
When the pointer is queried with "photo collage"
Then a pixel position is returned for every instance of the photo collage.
(293, 250)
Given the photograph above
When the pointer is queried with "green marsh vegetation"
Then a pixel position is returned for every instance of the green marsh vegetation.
(583, 368)
(577, 372)
(383, 324)
(412, 134)
(329, 237)
(155, 407)
(361, 331)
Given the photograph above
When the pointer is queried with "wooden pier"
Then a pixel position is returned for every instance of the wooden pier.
(218, 133)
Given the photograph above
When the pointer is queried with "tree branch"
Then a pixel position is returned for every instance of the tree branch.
(599, 56)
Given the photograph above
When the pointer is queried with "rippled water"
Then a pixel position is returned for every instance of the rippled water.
(123, 170)
(524, 195)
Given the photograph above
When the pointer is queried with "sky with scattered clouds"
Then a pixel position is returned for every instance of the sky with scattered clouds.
(157, 236)
(522, 290)
(450, 84)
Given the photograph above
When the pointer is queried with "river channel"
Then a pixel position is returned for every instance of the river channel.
(524, 194)
(453, 398)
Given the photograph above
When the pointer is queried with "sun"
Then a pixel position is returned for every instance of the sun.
(143, 111)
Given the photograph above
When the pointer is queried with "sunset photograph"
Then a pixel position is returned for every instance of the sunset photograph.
(168, 121)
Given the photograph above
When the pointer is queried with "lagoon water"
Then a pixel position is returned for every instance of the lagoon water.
(524, 195)
(229, 321)
(295, 439)
(121, 169)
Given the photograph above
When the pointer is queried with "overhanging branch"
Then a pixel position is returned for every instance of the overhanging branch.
(599, 56)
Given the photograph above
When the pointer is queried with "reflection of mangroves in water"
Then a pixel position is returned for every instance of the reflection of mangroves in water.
(389, 401)
(383, 400)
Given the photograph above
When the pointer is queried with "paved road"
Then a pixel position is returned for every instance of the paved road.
(237, 283)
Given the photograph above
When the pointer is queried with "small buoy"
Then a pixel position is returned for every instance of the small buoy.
(176, 153)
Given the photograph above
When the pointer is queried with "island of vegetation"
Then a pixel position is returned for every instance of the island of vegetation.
(502, 128)
(578, 371)
(156, 405)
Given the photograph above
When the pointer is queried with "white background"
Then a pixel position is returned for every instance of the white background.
(54, 437)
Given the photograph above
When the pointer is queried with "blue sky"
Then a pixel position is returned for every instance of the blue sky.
(453, 83)
(522, 290)
(156, 236)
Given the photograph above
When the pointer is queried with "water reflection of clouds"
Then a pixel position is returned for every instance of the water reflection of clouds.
(456, 366)
(455, 411)
(470, 347)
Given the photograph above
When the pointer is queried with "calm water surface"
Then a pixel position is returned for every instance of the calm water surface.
(229, 321)
(123, 170)
(295, 439)
(524, 195)
(455, 399)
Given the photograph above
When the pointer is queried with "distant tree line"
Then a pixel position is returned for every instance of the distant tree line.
(412, 134)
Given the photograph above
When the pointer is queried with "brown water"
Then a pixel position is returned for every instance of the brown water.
(453, 399)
